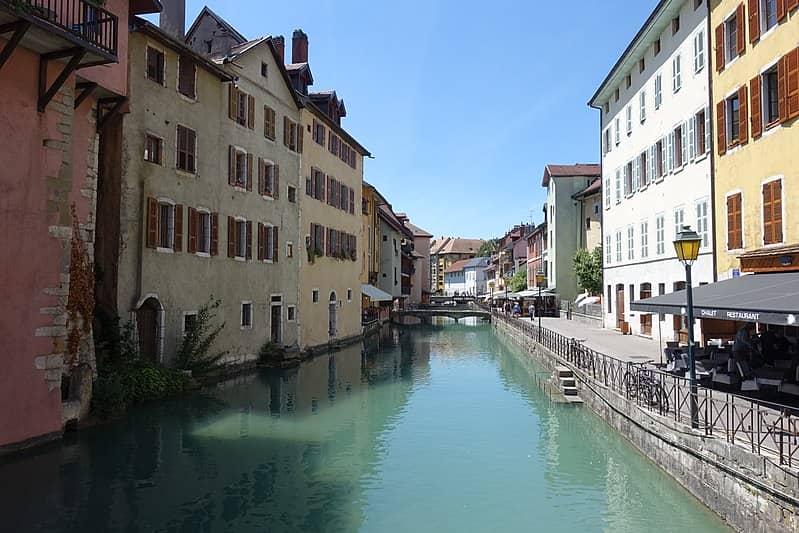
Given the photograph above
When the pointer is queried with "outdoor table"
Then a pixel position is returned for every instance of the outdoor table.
(769, 376)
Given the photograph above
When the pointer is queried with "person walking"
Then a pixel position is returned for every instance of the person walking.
(531, 310)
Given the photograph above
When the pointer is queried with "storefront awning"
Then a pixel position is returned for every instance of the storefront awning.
(764, 298)
(375, 294)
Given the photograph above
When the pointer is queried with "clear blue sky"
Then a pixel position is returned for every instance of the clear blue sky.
(462, 103)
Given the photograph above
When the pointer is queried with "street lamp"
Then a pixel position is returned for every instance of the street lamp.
(539, 280)
(687, 246)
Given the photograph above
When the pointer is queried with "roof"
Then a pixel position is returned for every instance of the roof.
(477, 262)
(771, 251)
(145, 26)
(570, 171)
(457, 266)
(458, 246)
(594, 188)
(375, 294)
(222, 22)
(384, 211)
(144, 7)
(651, 30)
(309, 104)
(764, 298)
(416, 230)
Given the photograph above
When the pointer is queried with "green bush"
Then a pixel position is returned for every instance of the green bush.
(195, 352)
(120, 387)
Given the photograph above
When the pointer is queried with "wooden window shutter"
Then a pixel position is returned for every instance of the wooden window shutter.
(300, 136)
(231, 237)
(754, 20)
(275, 244)
(260, 255)
(782, 88)
(232, 101)
(178, 241)
(248, 238)
(734, 235)
(261, 187)
(231, 166)
(251, 112)
(792, 83)
(214, 234)
(352, 201)
(721, 127)
(152, 222)
(276, 184)
(720, 47)
(740, 36)
(776, 205)
(791, 5)
(768, 222)
(191, 244)
(286, 132)
(249, 171)
(782, 12)
(743, 115)
(754, 104)
(330, 194)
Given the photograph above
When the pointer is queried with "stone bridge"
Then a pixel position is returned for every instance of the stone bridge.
(425, 314)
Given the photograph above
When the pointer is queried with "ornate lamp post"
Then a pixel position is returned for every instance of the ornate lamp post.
(539, 280)
(687, 246)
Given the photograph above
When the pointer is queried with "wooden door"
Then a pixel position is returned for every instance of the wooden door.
(147, 323)
(276, 324)
(619, 306)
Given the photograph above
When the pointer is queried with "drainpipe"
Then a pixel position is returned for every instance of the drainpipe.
(711, 127)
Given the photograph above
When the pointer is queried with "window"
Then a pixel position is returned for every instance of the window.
(644, 240)
(204, 232)
(606, 187)
(770, 105)
(166, 226)
(676, 76)
(268, 179)
(349, 295)
(730, 32)
(186, 149)
(268, 243)
(189, 322)
(660, 234)
(618, 185)
(702, 222)
(269, 123)
(658, 90)
(608, 251)
(246, 315)
(628, 178)
(772, 212)
(319, 133)
(264, 70)
(630, 242)
(657, 162)
(153, 149)
(289, 249)
(240, 171)
(733, 119)
(606, 138)
(678, 145)
(241, 238)
(657, 47)
(187, 77)
(292, 194)
(317, 238)
(735, 222)
(618, 246)
(642, 106)
(699, 51)
(616, 95)
(315, 296)
(291, 313)
(768, 14)
(675, 25)
(618, 130)
(155, 65)
(317, 184)
(628, 81)
(629, 112)
(643, 177)
(679, 220)
(292, 135)
(641, 65)
(699, 138)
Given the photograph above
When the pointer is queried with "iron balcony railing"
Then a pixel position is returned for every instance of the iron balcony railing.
(85, 20)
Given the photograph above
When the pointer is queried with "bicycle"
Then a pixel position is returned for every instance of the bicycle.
(642, 385)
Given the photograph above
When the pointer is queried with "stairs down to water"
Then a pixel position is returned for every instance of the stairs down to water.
(568, 385)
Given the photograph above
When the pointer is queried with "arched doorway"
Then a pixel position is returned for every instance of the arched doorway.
(148, 323)
(332, 314)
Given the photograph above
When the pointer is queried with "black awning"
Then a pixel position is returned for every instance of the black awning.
(764, 298)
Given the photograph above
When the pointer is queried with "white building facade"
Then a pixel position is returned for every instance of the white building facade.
(656, 167)
(474, 274)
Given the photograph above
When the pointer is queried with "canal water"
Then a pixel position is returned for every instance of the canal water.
(435, 429)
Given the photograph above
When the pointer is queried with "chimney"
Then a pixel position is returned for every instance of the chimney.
(173, 18)
(280, 45)
(299, 47)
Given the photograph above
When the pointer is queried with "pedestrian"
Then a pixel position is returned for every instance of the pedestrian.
(531, 310)
(517, 311)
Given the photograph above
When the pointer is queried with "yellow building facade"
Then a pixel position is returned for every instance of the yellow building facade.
(370, 251)
(755, 48)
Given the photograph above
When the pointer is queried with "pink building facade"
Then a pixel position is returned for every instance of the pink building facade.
(63, 82)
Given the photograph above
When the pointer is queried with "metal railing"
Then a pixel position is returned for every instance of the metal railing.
(87, 21)
(765, 428)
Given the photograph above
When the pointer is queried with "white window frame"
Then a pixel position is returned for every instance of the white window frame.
(243, 256)
(644, 239)
(676, 73)
(618, 246)
(699, 51)
(268, 164)
(618, 185)
(171, 225)
(703, 222)
(236, 151)
(608, 250)
(728, 52)
(161, 139)
(291, 309)
(660, 234)
(617, 123)
(606, 186)
(642, 106)
(679, 221)
(163, 70)
(206, 212)
(630, 242)
(658, 90)
(315, 296)
(629, 118)
(183, 321)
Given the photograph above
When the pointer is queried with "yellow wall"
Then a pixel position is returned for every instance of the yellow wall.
(328, 274)
(774, 154)
(370, 256)
(592, 236)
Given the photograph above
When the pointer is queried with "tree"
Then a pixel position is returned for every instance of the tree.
(487, 248)
(588, 268)
(519, 281)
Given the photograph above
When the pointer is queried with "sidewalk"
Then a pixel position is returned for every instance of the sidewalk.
(606, 341)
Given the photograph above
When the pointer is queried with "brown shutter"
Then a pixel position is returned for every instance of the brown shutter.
(286, 130)
(782, 12)
(300, 136)
(214, 233)
(276, 187)
(249, 171)
(776, 205)
(191, 244)
(251, 112)
(232, 101)
(275, 244)
(231, 166)
(782, 88)
(260, 242)
(352, 201)
(792, 83)
(720, 47)
(740, 35)
(754, 104)
(231, 237)
(152, 222)
(791, 5)
(754, 20)
(734, 222)
(768, 223)
(249, 239)
(178, 241)
(743, 115)
(260, 176)
(721, 127)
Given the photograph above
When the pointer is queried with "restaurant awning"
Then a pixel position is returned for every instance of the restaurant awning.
(764, 298)
(375, 294)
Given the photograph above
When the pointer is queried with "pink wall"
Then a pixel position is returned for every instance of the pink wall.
(114, 76)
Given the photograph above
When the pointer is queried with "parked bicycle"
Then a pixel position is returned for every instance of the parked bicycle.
(642, 384)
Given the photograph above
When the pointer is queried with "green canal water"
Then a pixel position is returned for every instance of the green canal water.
(437, 429)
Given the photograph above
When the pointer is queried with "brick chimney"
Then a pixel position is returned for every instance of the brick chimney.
(280, 45)
(299, 47)
(173, 18)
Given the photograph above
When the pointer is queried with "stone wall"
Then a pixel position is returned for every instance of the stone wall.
(750, 492)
